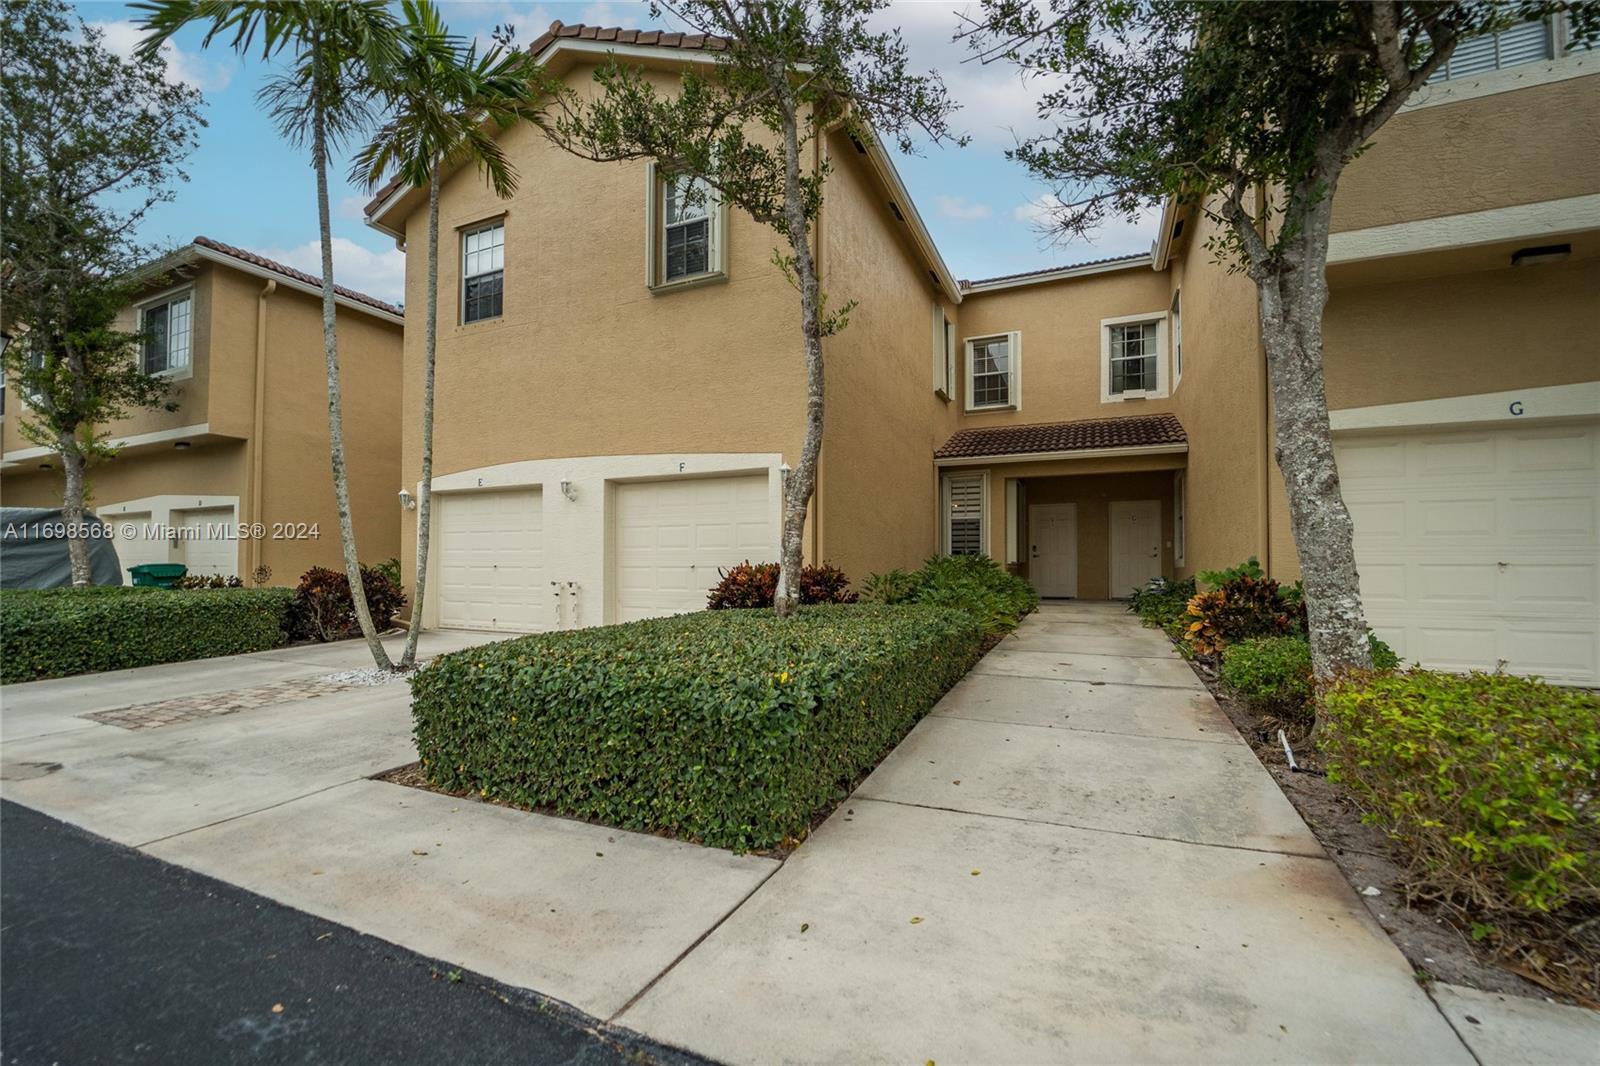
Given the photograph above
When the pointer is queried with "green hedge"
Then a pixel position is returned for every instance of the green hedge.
(1487, 783)
(65, 631)
(728, 727)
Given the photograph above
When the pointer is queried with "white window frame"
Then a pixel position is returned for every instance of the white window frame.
(1013, 402)
(1180, 518)
(1162, 376)
(1177, 338)
(167, 299)
(944, 354)
(655, 266)
(473, 230)
(945, 521)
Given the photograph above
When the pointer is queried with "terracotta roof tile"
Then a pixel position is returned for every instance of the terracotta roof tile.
(1136, 431)
(298, 275)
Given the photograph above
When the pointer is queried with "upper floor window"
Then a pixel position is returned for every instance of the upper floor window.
(483, 271)
(686, 231)
(944, 354)
(1132, 351)
(1177, 343)
(1526, 42)
(167, 328)
(994, 372)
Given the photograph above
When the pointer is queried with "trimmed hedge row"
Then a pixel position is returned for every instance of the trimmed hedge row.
(65, 631)
(727, 727)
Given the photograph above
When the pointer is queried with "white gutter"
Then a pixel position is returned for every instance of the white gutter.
(1161, 247)
(1060, 275)
(1076, 453)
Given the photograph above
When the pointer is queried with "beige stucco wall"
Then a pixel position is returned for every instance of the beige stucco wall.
(1522, 147)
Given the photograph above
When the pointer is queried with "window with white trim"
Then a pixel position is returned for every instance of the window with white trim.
(994, 372)
(964, 506)
(1526, 42)
(167, 328)
(1133, 352)
(944, 354)
(483, 272)
(1177, 343)
(1179, 519)
(687, 223)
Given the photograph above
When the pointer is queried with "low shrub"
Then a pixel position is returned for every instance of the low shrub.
(727, 727)
(208, 581)
(1240, 608)
(65, 631)
(1272, 675)
(324, 610)
(975, 584)
(1488, 784)
(756, 585)
(1250, 568)
(1161, 602)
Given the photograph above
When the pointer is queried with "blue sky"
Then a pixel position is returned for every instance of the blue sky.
(248, 187)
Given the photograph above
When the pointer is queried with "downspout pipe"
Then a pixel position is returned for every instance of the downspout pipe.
(258, 420)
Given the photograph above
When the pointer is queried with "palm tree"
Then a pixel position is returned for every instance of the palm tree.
(444, 102)
(335, 51)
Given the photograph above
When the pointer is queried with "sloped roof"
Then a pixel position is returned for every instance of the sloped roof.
(292, 274)
(1131, 260)
(1135, 431)
(618, 35)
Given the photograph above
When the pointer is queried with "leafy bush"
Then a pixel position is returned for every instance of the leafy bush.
(1162, 602)
(1272, 675)
(324, 610)
(390, 568)
(65, 631)
(1383, 656)
(756, 585)
(1490, 785)
(208, 581)
(975, 584)
(1250, 568)
(728, 727)
(1240, 608)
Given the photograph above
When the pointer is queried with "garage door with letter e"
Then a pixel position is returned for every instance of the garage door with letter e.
(1478, 548)
(490, 549)
(673, 536)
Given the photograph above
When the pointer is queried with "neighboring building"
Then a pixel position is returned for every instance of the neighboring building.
(241, 338)
(608, 437)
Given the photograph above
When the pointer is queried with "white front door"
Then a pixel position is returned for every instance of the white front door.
(1053, 548)
(204, 542)
(1135, 544)
(673, 536)
(1477, 548)
(490, 548)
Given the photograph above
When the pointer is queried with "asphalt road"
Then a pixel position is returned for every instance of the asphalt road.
(111, 956)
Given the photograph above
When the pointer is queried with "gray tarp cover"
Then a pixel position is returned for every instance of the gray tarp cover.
(33, 550)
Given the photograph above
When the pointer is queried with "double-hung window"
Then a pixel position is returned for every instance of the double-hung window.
(994, 372)
(686, 231)
(944, 354)
(1133, 354)
(167, 328)
(483, 272)
(964, 499)
(1177, 343)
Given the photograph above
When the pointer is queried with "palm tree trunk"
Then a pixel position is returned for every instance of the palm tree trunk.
(330, 348)
(425, 489)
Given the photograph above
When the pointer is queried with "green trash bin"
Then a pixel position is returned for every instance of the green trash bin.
(158, 575)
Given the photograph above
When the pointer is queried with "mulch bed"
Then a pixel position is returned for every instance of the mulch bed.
(1558, 959)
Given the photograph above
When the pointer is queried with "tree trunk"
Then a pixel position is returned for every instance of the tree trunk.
(72, 466)
(330, 348)
(425, 489)
(1292, 293)
(802, 480)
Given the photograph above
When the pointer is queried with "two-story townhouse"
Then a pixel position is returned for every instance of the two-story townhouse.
(240, 338)
(609, 436)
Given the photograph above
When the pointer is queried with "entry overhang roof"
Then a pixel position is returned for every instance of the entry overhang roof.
(1135, 433)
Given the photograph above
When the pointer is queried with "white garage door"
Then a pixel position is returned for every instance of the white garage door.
(1479, 549)
(204, 544)
(490, 547)
(135, 541)
(673, 536)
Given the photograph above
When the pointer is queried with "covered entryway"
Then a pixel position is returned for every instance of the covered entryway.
(491, 560)
(672, 536)
(1478, 548)
(206, 541)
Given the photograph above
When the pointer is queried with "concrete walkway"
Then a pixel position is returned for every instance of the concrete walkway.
(1073, 858)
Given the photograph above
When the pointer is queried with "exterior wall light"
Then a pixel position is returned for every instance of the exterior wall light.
(569, 490)
(406, 502)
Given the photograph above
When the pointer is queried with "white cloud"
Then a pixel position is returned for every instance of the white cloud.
(1115, 235)
(961, 209)
(381, 274)
(352, 207)
(199, 71)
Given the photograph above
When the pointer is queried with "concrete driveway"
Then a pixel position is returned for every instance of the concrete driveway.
(1073, 858)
